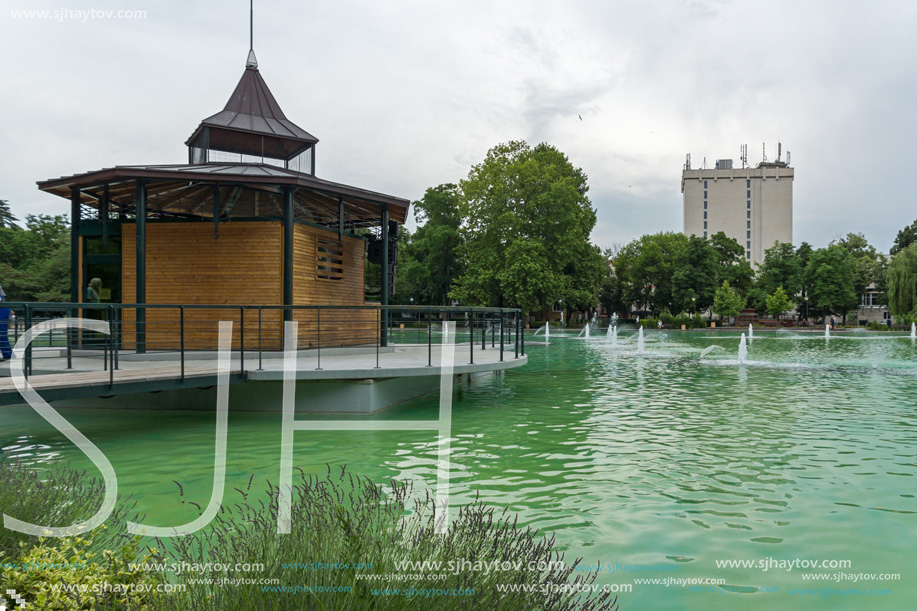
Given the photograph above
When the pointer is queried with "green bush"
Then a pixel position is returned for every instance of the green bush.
(67, 576)
(349, 520)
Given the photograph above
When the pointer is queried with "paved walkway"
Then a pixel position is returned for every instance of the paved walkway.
(158, 371)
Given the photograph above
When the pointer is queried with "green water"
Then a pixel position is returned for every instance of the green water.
(808, 451)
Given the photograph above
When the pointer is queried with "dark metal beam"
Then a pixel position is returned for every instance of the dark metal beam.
(141, 265)
(75, 245)
(385, 288)
(288, 252)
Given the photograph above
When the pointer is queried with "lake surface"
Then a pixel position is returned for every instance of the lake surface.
(806, 452)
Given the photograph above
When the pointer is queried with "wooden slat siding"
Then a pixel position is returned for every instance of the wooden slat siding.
(186, 265)
(244, 266)
(339, 327)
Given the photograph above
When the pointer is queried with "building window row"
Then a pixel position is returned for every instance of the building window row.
(748, 205)
(705, 215)
(705, 224)
(747, 224)
(748, 214)
(748, 255)
(748, 184)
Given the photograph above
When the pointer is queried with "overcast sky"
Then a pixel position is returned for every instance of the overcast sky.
(404, 95)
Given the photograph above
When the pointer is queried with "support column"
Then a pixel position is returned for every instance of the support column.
(141, 265)
(288, 252)
(75, 214)
(384, 299)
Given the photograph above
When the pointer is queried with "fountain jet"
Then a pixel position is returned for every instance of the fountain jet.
(751, 332)
(827, 331)
(641, 342)
(913, 331)
(743, 350)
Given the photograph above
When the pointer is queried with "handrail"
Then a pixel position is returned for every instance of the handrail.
(183, 329)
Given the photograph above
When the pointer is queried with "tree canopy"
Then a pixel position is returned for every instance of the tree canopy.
(902, 283)
(35, 261)
(831, 274)
(527, 222)
(905, 238)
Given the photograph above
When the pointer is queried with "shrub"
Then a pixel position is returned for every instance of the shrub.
(56, 495)
(349, 520)
(66, 576)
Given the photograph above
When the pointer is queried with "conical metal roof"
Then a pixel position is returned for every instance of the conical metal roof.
(252, 122)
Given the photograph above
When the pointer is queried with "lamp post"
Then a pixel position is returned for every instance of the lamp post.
(807, 309)
(693, 306)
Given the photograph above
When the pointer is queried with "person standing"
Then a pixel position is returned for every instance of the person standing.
(93, 290)
(5, 351)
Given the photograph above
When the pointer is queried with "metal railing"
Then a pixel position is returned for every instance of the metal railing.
(258, 329)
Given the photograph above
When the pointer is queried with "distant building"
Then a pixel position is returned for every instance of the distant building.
(752, 205)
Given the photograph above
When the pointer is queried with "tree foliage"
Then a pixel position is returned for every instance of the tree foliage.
(781, 268)
(905, 238)
(647, 267)
(6, 216)
(831, 274)
(526, 229)
(902, 283)
(432, 259)
(727, 301)
(778, 303)
(35, 261)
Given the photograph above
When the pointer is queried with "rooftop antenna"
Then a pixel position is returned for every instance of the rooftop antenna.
(688, 161)
(763, 153)
(743, 154)
(779, 147)
(251, 62)
(788, 158)
(704, 167)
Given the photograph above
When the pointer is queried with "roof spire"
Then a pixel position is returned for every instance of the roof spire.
(252, 61)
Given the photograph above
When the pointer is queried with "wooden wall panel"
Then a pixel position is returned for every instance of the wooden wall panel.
(185, 265)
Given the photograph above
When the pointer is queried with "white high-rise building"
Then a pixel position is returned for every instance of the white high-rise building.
(752, 205)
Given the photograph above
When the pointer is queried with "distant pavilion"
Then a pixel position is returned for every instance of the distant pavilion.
(245, 221)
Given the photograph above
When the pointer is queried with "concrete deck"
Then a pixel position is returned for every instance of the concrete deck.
(348, 380)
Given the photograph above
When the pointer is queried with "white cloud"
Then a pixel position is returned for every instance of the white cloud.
(407, 95)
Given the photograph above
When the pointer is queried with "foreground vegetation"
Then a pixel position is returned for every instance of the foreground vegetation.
(365, 529)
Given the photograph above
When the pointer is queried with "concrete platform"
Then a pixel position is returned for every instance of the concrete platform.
(341, 380)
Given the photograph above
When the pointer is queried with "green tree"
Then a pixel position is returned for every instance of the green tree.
(781, 267)
(727, 302)
(831, 274)
(647, 268)
(905, 238)
(432, 258)
(35, 262)
(803, 253)
(902, 283)
(778, 303)
(526, 229)
(865, 259)
(733, 266)
(696, 271)
(6, 215)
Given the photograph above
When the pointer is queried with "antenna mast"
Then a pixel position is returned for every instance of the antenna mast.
(251, 25)
(763, 153)
(743, 154)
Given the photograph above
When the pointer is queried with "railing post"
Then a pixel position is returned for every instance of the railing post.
(28, 350)
(483, 330)
(69, 342)
(429, 338)
(502, 316)
(318, 314)
(242, 340)
(111, 344)
(181, 333)
(378, 334)
(522, 334)
(259, 339)
(471, 340)
(516, 335)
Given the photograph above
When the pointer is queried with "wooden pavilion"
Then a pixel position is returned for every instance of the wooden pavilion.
(245, 221)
